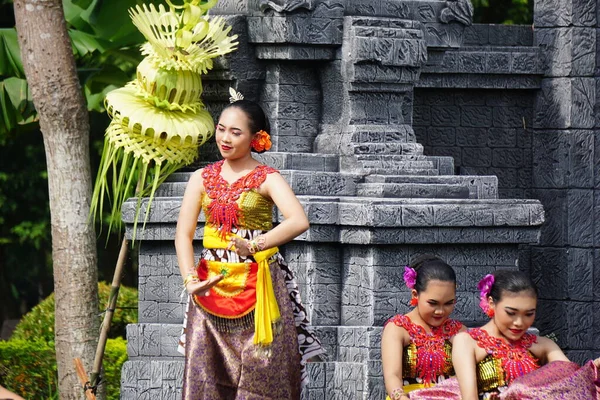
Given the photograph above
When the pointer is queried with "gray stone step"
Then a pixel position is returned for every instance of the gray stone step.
(480, 187)
(383, 134)
(161, 379)
(300, 161)
(154, 365)
(388, 148)
(401, 171)
(303, 182)
(390, 162)
(414, 190)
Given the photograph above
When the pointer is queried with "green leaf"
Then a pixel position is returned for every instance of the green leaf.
(73, 16)
(86, 43)
(16, 103)
(7, 110)
(111, 21)
(82, 3)
(10, 57)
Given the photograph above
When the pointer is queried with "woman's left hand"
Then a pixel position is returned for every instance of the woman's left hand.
(597, 362)
(240, 245)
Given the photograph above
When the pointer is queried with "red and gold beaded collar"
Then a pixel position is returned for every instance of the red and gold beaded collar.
(431, 354)
(515, 358)
(223, 210)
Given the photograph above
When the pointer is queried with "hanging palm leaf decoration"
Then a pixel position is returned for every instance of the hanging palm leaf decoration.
(158, 119)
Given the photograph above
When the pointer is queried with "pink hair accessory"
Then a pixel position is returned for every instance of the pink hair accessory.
(410, 277)
(485, 287)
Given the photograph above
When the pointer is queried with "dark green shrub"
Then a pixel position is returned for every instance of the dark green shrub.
(28, 368)
(38, 324)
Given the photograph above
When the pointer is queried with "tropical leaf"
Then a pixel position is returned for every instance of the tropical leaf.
(98, 82)
(16, 104)
(10, 58)
(86, 43)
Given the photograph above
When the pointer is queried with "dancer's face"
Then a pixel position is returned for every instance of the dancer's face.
(514, 313)
(436, 302)
(233, 134)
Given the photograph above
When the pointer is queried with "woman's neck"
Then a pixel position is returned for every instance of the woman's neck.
(241, 164)
(415, 317)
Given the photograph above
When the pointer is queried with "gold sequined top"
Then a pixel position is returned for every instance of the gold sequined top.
(236, 205)
(490, 375)
(409, 361)
(255, 211)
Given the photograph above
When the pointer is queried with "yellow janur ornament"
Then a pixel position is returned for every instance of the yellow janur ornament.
(158, 119)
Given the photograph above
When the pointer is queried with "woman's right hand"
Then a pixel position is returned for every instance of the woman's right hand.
(202, 288)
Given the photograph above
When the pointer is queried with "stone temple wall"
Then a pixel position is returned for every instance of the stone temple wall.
(403, 129)
(486, 132)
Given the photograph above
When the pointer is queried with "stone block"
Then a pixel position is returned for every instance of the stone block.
(550, 271)
(422, 115)
(580, 274)
(509, 117)
(476, 157)
(502, 137)
(580, 227)
(552, 319)
(551, 159)
(557, 13)
(476, 116)
(567, 51)
(472, 137)
(565, 103)
(580, 322)
(445, 116)
(554, 231)
(149, 340)
(148, 311)
(476, 34)
(472, 62)
(525, 63)
(509, 158)
(498, 63)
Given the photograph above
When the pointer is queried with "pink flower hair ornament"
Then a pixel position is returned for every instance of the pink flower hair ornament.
(485, 287)
(410, 277)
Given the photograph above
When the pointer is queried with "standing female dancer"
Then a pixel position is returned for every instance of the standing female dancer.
(415, 347)
(501, 360)
(243, 327)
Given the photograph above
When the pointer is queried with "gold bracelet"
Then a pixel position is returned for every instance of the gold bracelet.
(252, 246)
(397, 394)
(190, 278)
(261, 242)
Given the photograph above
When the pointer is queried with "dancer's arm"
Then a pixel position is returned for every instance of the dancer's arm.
(184, 236)
(465, 362)
(392, 348)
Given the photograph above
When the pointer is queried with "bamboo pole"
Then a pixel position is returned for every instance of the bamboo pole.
(110, 310)
(85, 382)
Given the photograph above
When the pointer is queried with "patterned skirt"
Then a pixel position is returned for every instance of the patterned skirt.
(223, 363)
(227, 365)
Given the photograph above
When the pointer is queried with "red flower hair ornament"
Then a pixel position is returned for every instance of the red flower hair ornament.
(261, 141)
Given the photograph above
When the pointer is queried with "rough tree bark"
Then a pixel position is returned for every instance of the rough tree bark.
(52, 77)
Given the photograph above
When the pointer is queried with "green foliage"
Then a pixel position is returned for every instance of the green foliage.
(28, 368)
(38, 324)
(509, 12)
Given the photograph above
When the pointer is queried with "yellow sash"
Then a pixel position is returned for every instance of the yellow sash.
(266, 312)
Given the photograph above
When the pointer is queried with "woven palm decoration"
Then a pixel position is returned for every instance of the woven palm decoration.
(158, 119)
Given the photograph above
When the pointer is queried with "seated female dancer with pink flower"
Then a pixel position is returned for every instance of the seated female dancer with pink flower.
(416, 347)
(501, 360)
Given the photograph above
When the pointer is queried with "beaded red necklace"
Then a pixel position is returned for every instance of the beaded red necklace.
(515, 358)
(431, 354)
(223, 210)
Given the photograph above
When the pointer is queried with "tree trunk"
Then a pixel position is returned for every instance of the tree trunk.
(51, 73)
